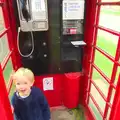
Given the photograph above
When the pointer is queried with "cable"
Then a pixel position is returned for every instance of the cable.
(24, 4)
(19, 47)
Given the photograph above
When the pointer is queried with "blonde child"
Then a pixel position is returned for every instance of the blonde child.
(28, 102)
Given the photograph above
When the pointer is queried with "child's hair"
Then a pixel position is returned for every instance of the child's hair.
(25, 72)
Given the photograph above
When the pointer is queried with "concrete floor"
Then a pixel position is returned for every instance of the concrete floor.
(62, 113)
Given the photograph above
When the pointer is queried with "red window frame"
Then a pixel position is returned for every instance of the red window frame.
(92, 13)
(8, 31)
(92, 26)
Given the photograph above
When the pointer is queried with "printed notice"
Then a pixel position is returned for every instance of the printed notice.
(73, 9)
(48, 83)
(38, 9)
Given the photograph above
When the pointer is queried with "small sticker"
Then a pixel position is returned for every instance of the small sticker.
(48, 83)
(73, 31)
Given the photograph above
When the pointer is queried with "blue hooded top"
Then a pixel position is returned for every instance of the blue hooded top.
(33, 107)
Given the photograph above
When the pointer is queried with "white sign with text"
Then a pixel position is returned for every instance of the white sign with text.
(73, 9)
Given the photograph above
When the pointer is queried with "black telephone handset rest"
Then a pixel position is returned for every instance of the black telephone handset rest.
(25, 12)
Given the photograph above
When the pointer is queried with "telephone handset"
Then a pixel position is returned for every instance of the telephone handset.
(33, 15)
(25, 11)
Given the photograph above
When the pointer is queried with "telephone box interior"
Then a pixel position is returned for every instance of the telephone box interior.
(57, 40)
(54, 48)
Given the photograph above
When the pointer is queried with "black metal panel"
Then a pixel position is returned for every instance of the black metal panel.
(50, 43)
(54, 35)
(71, 59)
(37, 62)
(71, 56)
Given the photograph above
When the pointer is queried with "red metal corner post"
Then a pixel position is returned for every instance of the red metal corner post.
(88, 52)
(115, 111)
(10, 23)
(5, 107)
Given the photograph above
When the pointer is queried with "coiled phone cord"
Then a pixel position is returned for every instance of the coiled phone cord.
(28, 55)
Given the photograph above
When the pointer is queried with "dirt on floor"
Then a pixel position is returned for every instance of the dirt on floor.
(62, 113)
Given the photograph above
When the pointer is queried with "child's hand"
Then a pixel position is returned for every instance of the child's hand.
(12, 75)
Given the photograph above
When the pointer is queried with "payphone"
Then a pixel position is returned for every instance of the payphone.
(33, 15)
(52, 35)
(72, 34)
(32, 40)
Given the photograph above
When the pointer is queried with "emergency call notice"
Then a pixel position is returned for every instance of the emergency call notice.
(73, 9)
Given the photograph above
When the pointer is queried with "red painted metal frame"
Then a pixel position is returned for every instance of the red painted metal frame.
(16, 57)
(1, 3)
(89, 65)
(4, 32)
(93, 43)
(54, 97)
(95, 103)
(113, 77)
(88, 35)
(91, 28)
(3, 89)
(104, 76)
(100, 92)
(89, 113)
(108, 3)
(115, 111)
(5, 61)
(4, 99)
(10, 33)
(108, 30)
(107, 55)
(9, 86)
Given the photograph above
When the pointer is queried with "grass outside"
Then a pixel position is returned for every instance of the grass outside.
(106, 66)
(111, 12)
(102, 62)
(7, 72)
(108, 43)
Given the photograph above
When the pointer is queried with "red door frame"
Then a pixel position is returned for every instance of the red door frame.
(4, 100)
(88, 52)
(115, 113)
(4, 91)
(91, 28)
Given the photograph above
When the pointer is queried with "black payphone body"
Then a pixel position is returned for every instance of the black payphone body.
(72, 35)
(57, 46)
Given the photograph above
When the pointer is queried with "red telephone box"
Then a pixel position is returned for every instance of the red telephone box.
(98, 62)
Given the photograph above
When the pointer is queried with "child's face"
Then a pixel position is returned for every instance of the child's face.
(23, 85)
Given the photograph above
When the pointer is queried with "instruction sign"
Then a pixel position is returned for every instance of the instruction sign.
(38, 9)
(48, 83)
(73, 9)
